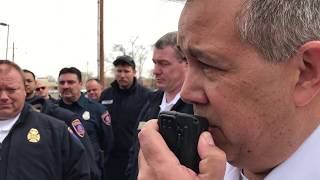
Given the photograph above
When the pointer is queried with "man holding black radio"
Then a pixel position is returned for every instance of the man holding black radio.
(254, 73)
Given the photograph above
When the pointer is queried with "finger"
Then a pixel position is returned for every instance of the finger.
(153, 146)
(145, 172)
(213, 160)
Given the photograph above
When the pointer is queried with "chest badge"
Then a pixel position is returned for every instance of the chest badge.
(86, 115)
(33, 135)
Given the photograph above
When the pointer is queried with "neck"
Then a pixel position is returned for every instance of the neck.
(170, 95)
(70, 100)
(30, 95)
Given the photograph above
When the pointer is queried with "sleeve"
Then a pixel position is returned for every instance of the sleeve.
(74, 157)
(76, 129)
(106, 132)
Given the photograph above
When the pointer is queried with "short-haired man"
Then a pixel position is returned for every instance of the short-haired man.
(34, 145)
(42, 90)
(124, 100)
(254, 73)
(30, 84)
(94, 89)
(170, 69)
(94, 116)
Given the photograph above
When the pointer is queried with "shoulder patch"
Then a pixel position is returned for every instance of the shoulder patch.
(106, 118)
(78, 127)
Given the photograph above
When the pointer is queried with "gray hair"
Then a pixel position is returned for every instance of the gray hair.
(169, 39)
(277, 28)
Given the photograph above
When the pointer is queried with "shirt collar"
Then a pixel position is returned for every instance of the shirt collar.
(302, 164)
(6, 125)
(166, 106)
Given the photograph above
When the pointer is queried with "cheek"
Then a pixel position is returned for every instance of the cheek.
(246, 111)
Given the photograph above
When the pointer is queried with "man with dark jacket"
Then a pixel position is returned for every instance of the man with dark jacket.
(94, 116)
(72, 120)
(34, 145)
(124, 100)
(169, 69)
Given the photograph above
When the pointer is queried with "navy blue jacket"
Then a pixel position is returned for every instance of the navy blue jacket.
(40, 147)
(97, 123)
(72, 120)
(124, 106)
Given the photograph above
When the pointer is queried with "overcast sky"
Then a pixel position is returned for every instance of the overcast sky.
(52, 34)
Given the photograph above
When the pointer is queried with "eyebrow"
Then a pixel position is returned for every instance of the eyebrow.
(202, 56)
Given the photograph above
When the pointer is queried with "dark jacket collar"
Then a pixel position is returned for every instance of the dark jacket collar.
(24, 113)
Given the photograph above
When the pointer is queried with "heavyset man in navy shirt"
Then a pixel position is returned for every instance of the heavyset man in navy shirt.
(34, 145)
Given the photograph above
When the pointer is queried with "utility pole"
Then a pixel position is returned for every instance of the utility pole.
(13, 52)
(101, 43)
(5, 24)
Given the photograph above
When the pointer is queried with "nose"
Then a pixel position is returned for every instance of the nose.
(4, 96)
(193, 87)
(65, 85)
(156, 70)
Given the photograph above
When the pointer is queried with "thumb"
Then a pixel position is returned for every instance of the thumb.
(213, 160)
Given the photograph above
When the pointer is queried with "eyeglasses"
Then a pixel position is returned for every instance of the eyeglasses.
(42, 88)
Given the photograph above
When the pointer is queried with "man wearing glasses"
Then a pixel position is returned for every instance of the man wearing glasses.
(42, 90)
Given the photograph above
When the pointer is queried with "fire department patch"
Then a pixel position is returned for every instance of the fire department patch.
(106, 118)
(33, 135)
(77, 126)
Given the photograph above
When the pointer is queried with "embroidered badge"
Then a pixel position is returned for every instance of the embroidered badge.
(33, 135)
(86, 115)
(106, 118)
(77, 126)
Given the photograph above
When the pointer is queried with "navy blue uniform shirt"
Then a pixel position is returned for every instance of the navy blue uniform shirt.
(97, 123)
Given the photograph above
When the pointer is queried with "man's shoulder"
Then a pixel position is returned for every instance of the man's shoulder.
(106, 93)
(95, 106)
(43, 120)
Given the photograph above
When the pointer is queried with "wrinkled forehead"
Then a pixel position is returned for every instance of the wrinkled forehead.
(6, 70)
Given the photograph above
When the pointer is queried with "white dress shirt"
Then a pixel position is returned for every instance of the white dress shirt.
(5, 127)
(166, 106)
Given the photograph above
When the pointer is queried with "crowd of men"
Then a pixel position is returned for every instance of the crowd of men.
(250, 67)
(103, 122)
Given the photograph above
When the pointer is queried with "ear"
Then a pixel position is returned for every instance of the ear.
(308, 85)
